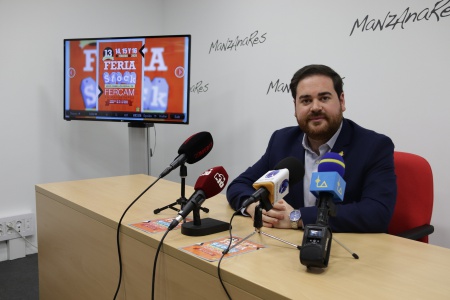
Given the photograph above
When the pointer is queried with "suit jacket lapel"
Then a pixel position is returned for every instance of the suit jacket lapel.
(343, 139)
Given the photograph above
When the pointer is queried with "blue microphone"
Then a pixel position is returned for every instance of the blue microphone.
(328, 185)
(332, 162)
(328, 179)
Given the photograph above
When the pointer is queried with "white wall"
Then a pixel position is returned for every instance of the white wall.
(395, 83)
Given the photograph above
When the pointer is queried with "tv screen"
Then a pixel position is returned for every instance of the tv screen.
(127, 79)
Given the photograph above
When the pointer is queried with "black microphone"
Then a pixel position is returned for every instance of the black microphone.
(195, 148)
(209, 184)
(274, 185)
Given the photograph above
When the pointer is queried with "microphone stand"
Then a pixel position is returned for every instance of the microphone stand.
(202, 227)
(316, 244)
(182, 200)
(355, 256)
(258, 223)
(328, 208)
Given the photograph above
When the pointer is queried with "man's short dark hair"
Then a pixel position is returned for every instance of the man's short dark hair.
(311, 70)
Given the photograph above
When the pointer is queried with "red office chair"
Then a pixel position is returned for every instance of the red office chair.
(412, 213)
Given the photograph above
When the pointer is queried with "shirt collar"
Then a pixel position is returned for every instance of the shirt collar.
(329, 145)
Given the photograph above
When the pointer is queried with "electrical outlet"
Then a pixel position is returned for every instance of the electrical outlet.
(9, 226)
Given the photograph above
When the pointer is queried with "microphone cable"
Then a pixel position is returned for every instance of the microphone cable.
(154, 262)
(118, 234)
(224, 252)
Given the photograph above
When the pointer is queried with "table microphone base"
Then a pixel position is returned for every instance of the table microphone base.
(208, 226)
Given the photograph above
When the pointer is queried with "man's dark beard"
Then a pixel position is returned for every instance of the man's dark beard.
(324, 135)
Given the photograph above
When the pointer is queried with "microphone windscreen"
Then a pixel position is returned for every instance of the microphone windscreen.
(212, 181)
(332, 162)
(197, 146)
(295, 167)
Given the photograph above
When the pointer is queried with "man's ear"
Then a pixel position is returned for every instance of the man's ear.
(342, 101)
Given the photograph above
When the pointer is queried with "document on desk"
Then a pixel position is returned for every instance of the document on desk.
(212, 250)
(155, 226)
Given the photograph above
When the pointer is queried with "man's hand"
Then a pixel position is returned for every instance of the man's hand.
(277, 217)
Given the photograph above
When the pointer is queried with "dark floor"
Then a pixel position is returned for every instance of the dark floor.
(19, 278)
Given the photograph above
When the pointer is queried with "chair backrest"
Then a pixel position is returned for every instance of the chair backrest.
(414, 193)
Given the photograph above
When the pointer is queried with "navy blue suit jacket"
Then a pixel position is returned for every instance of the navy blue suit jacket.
(371, 189)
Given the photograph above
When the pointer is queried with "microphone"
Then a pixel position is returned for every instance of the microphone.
(274, 185)
(328, 185)
(210, 183)
(196, 147)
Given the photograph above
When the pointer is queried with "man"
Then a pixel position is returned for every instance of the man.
(371, 188)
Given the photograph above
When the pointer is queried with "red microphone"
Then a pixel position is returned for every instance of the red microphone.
(209, 184)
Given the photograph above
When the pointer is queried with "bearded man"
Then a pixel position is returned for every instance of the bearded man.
(371, 189)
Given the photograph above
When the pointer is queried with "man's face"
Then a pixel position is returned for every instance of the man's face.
(318, 108)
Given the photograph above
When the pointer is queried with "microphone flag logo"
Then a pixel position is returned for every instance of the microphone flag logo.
(220, 179)
(284, 186)
(330, 182)
(271, 174)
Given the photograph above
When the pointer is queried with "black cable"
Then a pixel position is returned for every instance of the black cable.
(224, 252)
(154, 144)
(118, 234)
(154, 262)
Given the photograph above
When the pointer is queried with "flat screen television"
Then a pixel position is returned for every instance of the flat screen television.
(142, 79)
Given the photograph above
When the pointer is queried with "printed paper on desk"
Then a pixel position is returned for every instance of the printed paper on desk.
(212, 251)
(155, 226)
